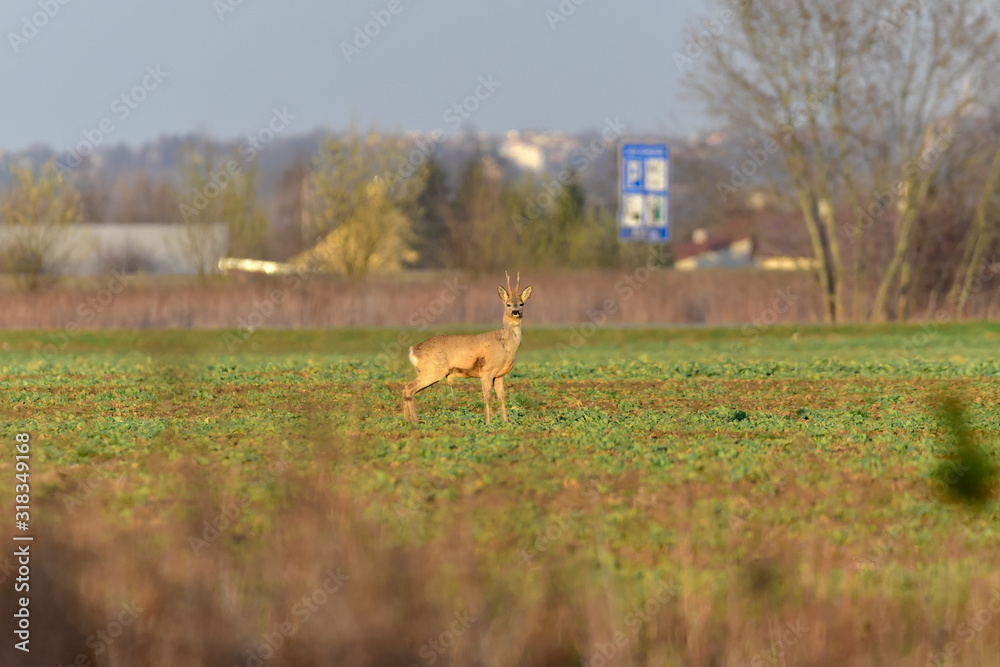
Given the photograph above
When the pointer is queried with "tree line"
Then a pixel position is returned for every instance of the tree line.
(368, 202)
(875, 126)
(879, 123)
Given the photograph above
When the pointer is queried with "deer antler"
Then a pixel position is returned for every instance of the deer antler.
(508, 283)
(517, 287)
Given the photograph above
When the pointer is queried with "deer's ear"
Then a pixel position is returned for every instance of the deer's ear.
(526, 293)
(503, 293)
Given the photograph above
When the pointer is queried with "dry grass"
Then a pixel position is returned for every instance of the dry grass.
(627, 296)
(439, 299)
(787, 606)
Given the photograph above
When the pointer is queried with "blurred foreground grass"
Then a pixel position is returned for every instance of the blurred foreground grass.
(697, 491)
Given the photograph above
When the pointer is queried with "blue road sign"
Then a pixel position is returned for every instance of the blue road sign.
(644, 193)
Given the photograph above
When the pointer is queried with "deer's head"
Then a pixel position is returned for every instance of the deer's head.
(513, 299)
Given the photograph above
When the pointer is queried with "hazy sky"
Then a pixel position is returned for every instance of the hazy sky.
(223, 76)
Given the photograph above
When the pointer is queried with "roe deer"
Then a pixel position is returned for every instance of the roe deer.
(488, 356)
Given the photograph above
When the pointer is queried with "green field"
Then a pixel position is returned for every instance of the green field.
(695, 490)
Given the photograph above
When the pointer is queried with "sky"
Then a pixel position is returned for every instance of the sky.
(130, 71)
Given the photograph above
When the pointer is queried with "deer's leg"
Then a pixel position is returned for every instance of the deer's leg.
(410, 390)
(408, 404)
(487, 392)
(498, 385)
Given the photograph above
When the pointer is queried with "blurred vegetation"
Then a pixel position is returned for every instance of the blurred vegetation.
(648, 485)
(373, 236)
(360, 221)
(376, 203)
(968, 473)
(489, 222)
(220, 191)
(36, 209)
(878, 126)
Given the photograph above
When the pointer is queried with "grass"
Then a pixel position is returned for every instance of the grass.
(699, 491)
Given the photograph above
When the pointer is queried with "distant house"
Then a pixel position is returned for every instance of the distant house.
(781, 239)
(746, 252)
(523, 153)
(787, 263)
(154, 248)
(719, 253)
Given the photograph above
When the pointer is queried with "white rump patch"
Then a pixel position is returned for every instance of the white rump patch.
(413, 358)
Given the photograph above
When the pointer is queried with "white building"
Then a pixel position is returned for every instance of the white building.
(157, 248)
(524, 154)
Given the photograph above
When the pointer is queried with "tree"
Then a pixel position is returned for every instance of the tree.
(595, 244)
(142, 198)
(483, 239)
(374, 237)
(37, 210)
(695, 202)
(435, 244)
(982, 235)
(554, 238)
(223, 192)
(286, 223)
(95, 195)
(559, 228)
(947, 54)
(851, 98)
(359, 204)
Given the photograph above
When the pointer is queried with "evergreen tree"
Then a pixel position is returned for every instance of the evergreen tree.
(434, 242)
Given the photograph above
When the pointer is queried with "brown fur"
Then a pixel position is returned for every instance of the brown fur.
(487, 356)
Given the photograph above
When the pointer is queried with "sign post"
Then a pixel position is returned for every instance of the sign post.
(644, 193)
